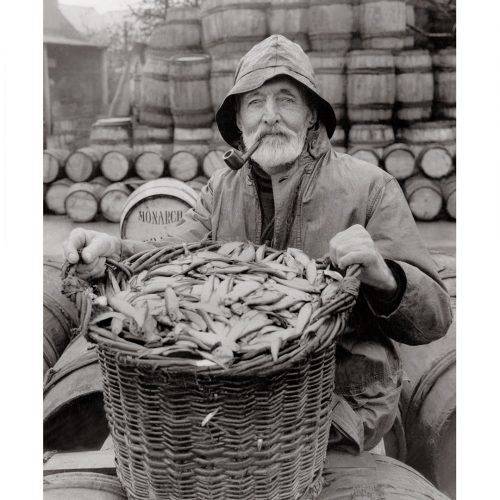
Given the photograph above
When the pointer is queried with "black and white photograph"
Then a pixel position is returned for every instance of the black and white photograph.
(249, 239)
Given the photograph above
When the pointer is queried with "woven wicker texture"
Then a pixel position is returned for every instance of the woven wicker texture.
(255, 430)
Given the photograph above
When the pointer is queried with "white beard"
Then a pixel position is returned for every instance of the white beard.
(278, 150)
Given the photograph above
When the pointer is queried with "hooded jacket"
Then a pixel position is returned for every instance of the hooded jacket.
(333, 192)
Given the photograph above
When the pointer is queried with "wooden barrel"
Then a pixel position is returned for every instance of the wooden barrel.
(448, 189)
(183, 166)
(435, 161)
(371, 136)
(290, 18)
(339, 140)
(365, 153)
(190, 98)
(429, 398)
(444, 62)
(424, 197)
(230, 26)
(82, 202)
(418, 135)
(196, 141)
(113, 200)
(159, 140)
(73, 409)
(111, 134)
(149, 165)
(222, 76)
(59, 314)
(56, 194)
(371, 86)
(99, 184)
(423, 21)
(213, 161)
(117, 165)
(154, 108)
(64, 134)
(332, 79)
(398, 159)
(82, 486)
(53, 164)
(382, 24)
(155, 207)
(414, 85)
(331, 25)
(180, 34)
(368, 476)
(83, 164)
(443, 16)
(409, 40)
(198, 183)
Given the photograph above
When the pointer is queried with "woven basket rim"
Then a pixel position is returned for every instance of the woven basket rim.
(330, 323)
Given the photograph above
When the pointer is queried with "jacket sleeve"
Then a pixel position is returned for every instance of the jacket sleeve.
(424, 312)
(196, 225)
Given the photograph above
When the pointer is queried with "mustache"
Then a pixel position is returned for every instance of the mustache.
(273, 131)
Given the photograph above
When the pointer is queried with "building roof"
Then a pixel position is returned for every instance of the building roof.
(58, 30)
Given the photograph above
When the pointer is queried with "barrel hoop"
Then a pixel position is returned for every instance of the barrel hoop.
(222, 72)
(110, 142)
(235, 6)
(161, 110)
(371, 143)
(361, 2)
(86, 359)
(414, 69)
(445, 104)
(53, 356)
(160, 77)
(414, 104)
(188, 78)
(249, 38)
(295, 5)
(410, 191)
(58, 311)
(330, 71)
(426, 384)
(194, 20)
(329, 3)
(371, 105)
(371, 71)
(184, 111)
(152, 141)
(330, 36)
(383, 34)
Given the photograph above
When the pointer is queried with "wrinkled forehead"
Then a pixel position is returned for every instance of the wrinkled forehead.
(280, 84)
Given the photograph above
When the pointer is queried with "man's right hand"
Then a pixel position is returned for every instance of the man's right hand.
(89, 249)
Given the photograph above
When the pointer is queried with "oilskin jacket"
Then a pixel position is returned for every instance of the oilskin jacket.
(336, 191)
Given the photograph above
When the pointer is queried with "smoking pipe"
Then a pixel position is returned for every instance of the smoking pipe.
(235, 160)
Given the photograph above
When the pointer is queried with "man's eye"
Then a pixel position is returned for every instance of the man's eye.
(254, 101)
(287, 99)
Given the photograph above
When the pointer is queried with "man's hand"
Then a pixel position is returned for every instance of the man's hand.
(355, 246)
(93, 247)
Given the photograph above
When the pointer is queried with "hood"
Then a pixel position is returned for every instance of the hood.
(274, 56)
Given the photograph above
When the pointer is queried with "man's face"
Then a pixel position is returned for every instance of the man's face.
(279, 109)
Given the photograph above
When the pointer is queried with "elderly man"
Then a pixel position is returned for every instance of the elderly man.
(298, 192)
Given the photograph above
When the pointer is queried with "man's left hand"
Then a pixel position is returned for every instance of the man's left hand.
(355, 246)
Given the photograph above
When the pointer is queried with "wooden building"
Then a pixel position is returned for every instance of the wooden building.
(75, 81)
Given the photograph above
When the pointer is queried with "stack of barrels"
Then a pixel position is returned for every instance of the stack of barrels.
(393, 91)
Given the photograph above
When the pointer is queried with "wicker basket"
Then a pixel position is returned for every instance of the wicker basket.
(257, 430)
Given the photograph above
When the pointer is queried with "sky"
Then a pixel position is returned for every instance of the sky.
(101, 5)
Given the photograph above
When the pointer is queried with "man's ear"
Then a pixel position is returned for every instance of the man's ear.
(313, 118)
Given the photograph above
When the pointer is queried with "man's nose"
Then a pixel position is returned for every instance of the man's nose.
(271, 113)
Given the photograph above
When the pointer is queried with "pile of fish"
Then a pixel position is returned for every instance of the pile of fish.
(217, 306)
